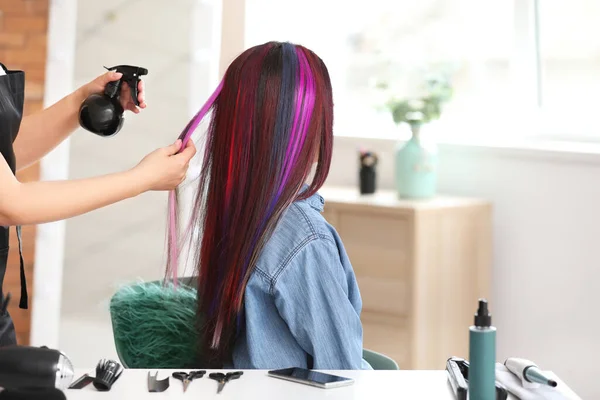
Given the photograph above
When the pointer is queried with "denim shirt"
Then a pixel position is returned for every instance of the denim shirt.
(302, 304)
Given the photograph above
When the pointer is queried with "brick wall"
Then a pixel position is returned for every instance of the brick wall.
(23, 27)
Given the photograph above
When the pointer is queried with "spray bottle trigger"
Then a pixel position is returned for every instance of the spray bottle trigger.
(133, 89)
(131, 75)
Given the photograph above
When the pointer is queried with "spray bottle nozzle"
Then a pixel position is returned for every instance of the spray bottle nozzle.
(131, 75)
(483, 318)
(483, 307)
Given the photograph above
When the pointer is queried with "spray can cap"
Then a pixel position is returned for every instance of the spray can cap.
(483, 318)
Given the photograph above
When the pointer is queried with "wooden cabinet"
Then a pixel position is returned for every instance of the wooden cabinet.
(420, 265)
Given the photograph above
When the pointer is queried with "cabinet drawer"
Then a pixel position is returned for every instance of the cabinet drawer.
(378, 245)
(375, 229)
(378, 263)
(387, 296)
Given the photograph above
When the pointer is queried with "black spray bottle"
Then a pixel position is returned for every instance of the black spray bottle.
(102, 114)
(368, 172)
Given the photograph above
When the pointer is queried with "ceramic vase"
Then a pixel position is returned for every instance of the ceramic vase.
(416, 167)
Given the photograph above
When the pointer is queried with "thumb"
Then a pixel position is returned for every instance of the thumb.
(174, 148)
(110, 76)
(189, 151)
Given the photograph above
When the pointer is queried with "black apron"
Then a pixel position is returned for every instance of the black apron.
(12, 93)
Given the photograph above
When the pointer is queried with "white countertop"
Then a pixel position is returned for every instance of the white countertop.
(256, 385)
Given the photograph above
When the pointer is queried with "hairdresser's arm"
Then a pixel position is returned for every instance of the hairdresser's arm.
(40, 202)
(311, 295)
(43, 131)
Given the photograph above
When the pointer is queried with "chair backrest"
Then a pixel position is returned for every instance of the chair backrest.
(154, 325)
(379, 361)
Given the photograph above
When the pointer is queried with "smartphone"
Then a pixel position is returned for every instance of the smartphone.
(312, 378)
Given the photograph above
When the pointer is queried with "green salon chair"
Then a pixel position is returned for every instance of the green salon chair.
(379, 361)
(154, 326)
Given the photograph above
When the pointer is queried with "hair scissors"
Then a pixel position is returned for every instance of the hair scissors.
(224, 378)
(187, 378)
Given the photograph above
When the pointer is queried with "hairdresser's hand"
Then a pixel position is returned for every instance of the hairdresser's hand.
(165, 169)
(98, 85)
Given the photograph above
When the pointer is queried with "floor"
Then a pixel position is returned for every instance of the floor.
(123, 242)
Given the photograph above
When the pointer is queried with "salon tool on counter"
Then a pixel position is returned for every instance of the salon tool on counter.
(82, 382)
(457, 373)
(107, 373)
(529, 373)
(187, 378)
(156, 386)
(102, 114)
(458, 376)
(224, 378)
(482, 355)
(32, 394)
(40, 367)
(516, 386)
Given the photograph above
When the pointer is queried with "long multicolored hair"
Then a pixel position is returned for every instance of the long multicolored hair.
(272, 118)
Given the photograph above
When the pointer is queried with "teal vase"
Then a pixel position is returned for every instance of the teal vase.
(416, 167)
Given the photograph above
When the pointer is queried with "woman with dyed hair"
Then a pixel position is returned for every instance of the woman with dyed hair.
(276, 287)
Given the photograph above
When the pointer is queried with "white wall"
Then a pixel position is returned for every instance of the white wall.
(546, 241)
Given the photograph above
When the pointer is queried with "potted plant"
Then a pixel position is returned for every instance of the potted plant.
(416, 160)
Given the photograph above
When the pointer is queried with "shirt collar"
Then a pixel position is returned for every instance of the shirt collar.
(316, 201)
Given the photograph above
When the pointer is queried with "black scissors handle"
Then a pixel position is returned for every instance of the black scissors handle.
(196, 374)
(233, 375)
(221, 377)
(188, 376)
(217, 376)
(179, 375)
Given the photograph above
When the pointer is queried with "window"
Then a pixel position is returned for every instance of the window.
(511, 64)
(569, 48)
